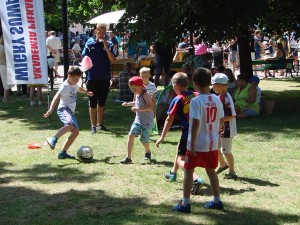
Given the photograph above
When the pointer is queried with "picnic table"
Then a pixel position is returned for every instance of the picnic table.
(275, 64)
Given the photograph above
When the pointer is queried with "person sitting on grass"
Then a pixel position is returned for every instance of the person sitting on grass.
(144, 119)
(180, 107)
(206, 117)
(66, 96)
(228, 131)
(245, 98)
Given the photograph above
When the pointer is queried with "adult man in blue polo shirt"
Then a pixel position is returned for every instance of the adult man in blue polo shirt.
(98, 78)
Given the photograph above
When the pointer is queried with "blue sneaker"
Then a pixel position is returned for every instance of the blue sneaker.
(171, 176)
(197, 184)
(51, 142)
(181, 208)
(64, 155)
(212, 205)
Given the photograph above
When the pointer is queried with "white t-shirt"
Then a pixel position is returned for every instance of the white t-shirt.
(151, 88)
(68, 93)
(54, 42)
(209, 110)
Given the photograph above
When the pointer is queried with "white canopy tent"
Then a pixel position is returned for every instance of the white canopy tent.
(108, 18)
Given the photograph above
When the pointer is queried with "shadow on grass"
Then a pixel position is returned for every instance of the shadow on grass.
(98, 207)
(206, 190)
(46, 173)
(257, 182)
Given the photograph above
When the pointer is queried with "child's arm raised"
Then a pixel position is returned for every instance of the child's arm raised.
(148, 107)
(53, 104)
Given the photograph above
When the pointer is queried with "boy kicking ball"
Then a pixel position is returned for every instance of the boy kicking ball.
(66, 96)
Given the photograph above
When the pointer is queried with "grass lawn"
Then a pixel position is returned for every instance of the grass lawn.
(37, 188)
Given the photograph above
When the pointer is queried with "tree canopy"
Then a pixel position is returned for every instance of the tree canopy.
(78, 11)
(162, 19)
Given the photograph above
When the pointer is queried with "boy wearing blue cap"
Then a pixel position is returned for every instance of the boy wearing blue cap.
(228, 131)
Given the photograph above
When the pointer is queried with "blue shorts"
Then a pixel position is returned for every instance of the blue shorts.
(137, 129)
(67, 117)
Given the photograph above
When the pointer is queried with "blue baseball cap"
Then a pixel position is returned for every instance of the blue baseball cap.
(254, 79)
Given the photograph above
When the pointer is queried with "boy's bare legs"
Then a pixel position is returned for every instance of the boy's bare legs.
(146, 146)
(214, 182)
(63, 130)
(187, 184)
(179, 163)
(130, 142)
(70, 139)
(222, 162)
(230, 162)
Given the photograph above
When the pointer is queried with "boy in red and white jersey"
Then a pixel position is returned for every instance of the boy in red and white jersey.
(206, 119)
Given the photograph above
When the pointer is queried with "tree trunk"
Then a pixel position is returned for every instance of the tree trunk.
(245, 55)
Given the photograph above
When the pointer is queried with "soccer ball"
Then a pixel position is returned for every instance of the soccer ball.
(85, 153)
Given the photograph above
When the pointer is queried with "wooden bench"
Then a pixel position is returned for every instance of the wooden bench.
(177, 66)
(286, 64)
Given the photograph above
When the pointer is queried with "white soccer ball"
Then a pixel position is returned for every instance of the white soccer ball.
(85, 153)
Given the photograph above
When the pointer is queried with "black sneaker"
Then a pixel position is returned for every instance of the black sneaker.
(93, 130)
(197, 185)
(101, 127)
(126, 161)
(147, 156)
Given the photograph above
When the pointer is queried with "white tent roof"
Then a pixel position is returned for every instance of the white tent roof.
(108, 18)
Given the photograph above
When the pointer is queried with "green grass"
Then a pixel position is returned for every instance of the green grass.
(37, 188)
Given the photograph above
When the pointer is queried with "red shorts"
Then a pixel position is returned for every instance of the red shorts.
(207, 160)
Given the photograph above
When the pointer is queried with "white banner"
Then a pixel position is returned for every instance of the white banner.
(23, 27)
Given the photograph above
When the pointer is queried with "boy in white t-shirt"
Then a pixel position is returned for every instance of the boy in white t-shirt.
(150, 87)
(206, 119)
(228, 131)
(67, 96)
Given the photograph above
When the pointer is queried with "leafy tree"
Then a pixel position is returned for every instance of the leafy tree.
(210, 20)
(78, 11)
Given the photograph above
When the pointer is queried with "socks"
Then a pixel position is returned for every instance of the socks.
(216, 199)
(185, 201)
